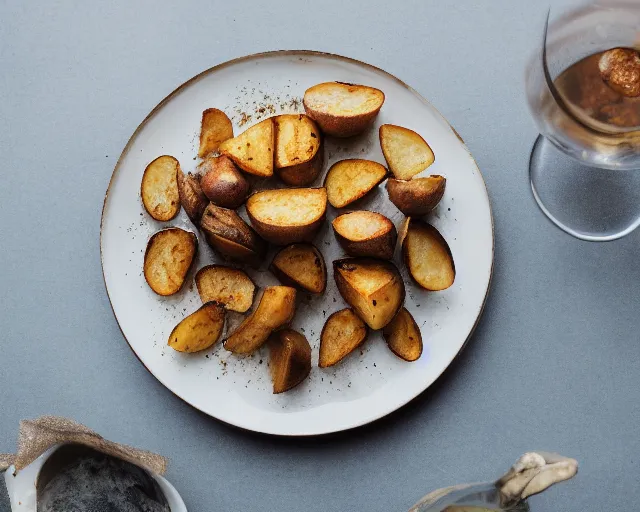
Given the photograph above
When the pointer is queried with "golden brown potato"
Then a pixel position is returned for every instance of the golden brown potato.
(406, 152)
(230, 287)
(403, 336)
(374, 288)
(200, 330)
(253, 149)
(276, 310)
(349, 180)
(620, 69)
(168, 258)
(365, 233)
(299, 152)
(300, 266)
(192, 198)
(402, 231)
(428, 257)
(342, 333)
(342, 109)
(222, 182)
(289, 359)
(216, 128)
(287, 216)
(418, 196)
(159, 188)
(231, 237)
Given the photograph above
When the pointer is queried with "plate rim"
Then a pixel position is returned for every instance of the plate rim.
(300, 53)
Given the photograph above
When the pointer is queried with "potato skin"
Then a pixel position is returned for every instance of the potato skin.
(381, 247)
(192, 198)
(285, 235)
(222, 183)
(289, 359)
(233, 251)
(416, 197)
(303, 174)
(342, 126)
(227, 233)
(288, 280)
(403, 336)
(296, 136)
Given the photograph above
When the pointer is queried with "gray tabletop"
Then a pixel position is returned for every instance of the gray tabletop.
(554, 363)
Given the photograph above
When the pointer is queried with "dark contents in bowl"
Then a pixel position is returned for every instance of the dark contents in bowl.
(79, 479)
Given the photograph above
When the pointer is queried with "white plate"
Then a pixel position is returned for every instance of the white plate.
(368, 384)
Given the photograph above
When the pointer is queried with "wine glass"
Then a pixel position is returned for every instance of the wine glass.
(583, 166)
(532, 473)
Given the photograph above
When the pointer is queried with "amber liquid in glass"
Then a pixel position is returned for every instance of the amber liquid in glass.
(593, 101)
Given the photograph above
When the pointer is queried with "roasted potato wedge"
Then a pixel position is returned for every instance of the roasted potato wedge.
(216, 128)
(300, 266)
(365, 233)
(231, 237)
(231, 287)
(159, 188)
(403, 336)
(342, 109)
(276, 310)
(418, 196)
(299, 152)
(428, 257)
(349, 180)
(406, 152)
(289, 359)
(374, 288)
(222, 183)
(168, 258)
(192, 198)
(342, 333)
(253, 149)
(287, 216)
(200, 330)
(402, 231)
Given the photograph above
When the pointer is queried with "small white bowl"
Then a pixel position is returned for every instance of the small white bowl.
(22, 488)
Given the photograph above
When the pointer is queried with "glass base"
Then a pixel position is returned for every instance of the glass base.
(591, 204)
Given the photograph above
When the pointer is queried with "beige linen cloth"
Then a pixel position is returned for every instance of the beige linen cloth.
(37, 436)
